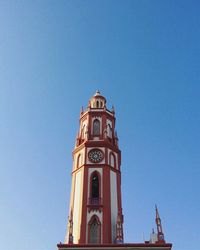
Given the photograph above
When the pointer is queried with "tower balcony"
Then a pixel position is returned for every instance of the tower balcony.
(95, 201)
(95, 204)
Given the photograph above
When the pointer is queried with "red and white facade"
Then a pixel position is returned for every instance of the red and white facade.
(95, 214)
(95, 204)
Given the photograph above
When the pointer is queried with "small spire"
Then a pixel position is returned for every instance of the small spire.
(153, 237)
(113, 109)
(82, 110)
(70, 228)
(159, 227)
(77, 140)
(119, 230)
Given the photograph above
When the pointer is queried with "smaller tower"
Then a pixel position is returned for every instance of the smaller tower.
(160, 233)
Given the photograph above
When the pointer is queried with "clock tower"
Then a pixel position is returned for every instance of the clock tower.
(95, 205)
(95, 219)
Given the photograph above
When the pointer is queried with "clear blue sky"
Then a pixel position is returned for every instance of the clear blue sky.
(144, 56)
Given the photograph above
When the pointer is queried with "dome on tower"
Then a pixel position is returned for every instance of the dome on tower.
(97, 101)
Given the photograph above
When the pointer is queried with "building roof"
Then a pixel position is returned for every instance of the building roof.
(125, 246)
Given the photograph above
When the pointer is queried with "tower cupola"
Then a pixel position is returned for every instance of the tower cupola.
(97, 101)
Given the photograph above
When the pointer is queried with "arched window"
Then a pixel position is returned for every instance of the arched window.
(94, 230)
(97, 104)
(109, 131)
(95, 186)
(83, 132)
(78, 163)
(96, 127)
(112, 160)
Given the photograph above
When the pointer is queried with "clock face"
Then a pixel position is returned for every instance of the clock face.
(95, 155)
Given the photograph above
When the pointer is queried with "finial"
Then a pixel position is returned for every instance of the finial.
(113, 109)
(97, 93)
(70, 228)
(82, 110)
(119, 230)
